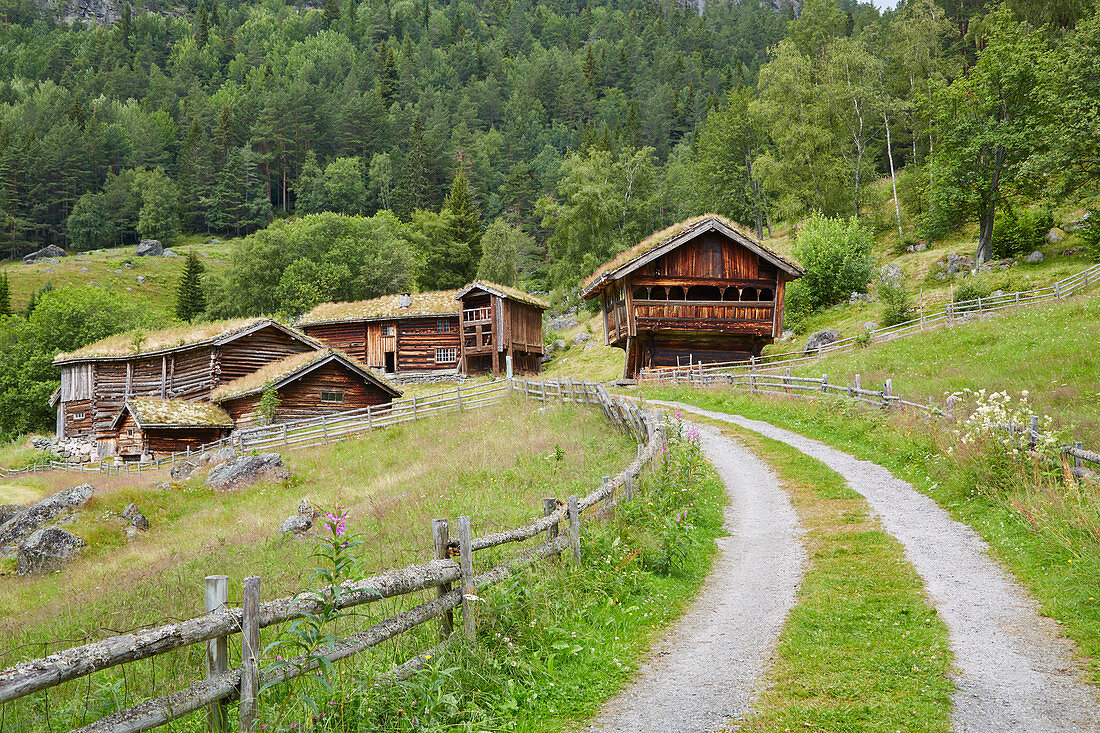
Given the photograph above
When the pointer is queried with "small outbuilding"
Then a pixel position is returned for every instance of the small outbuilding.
(152, 427)
(498, 322)
(307, 386)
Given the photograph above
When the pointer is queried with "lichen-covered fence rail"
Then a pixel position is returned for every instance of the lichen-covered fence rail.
(223, 684)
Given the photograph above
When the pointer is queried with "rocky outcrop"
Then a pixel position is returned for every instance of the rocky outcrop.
(22, 525)
(246, 470)
(9, 512)
(822, 338)
(70, 450)
(150, 248)
(46, 549)
(581, 338)
(183, 469)
(46, 253)
(563, 322)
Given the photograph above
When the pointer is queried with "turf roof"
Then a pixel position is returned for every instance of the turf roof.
(153, 412)
(276, 371)
(509, 292)
(434, 303)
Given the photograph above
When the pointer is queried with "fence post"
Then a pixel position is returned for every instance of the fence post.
(628, 485)
(1077, 459)
(1057, 290)
(787, 380)
(887, 392)
(575, 528)
(217, 651)
(284, 435)
(1034, 429)
(370, 419)
(324, 426)
(466, 566)
(979, 305)
(440, 539)
(508, 366)
(549, 506)
(859, 383)
(458, 396)
(250, 654)
(414, 407)
(824, 383)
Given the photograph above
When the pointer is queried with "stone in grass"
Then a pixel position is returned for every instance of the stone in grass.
(149, 248)
(822, 338)
(1035, 256)
(246, 470)
(581, 338)
(23, 524)
(136, 519)
(295, 524)
(46, 549)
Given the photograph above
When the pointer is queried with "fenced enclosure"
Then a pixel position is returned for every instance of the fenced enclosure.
(951, 313)
(224, 627)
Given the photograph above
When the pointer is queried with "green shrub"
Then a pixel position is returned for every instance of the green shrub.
(897, 302)
(971, 289)
(1090, 234)
(837, 256)
(1019, 231)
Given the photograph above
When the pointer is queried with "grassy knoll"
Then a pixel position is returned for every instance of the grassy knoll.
(591, 360)
(107, 268)
(1047, 533)
(17, 453)
(1048, 350)
(862, 649)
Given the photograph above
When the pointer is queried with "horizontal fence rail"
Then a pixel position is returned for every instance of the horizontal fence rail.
(925, 321)
(560, 523)
(791, 386)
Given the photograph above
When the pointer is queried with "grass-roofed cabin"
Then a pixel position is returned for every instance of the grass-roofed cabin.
(700, 291)
(500, 322)
(184, 363)
(152, 427)
(307, 385)
(398, 334)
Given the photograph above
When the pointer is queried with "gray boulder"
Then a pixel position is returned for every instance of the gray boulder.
(150, 248)
(46, 253)
(891, 274)
(558, 345)
(1035, 256)
(246, 470)
(1054, 236)
(822, 338)
(22, 525)
(581, 338)
(920, 247)
(46, 549)
(958, 263)
(305, 510)
(545, 358)
(140, 279)
(870, 326)
(562, 323)
(169, 253)
(136, 519)
(295, 524)
(9, 512)
(1081, 221)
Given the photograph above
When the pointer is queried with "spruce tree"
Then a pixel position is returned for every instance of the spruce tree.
(414, 187)
(190, 300)
(465, 217)
(5, 296)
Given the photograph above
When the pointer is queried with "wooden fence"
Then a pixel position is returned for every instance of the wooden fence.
(1075, 455)
(925, 321)
(223, 685)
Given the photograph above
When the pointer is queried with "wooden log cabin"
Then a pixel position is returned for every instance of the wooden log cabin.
(175, 364)
(699, 291)
(396, 334)
(498, 322)
(308, 385)
(149, 427)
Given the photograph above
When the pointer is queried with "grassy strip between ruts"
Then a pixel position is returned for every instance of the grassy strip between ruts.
(1047, 533)
(862, 650)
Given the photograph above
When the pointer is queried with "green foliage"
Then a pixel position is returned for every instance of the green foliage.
(897, 302)
(971, 288)
(725, 149)
(837, 257)
(91, 225)
(465, 220)
(269, 403)
(340, 188)
(501, 246)
(360, 257)
(1020, 231)
(190, 298)
(447, 263)
(1090, 234)
(157, 218)
(5, 295)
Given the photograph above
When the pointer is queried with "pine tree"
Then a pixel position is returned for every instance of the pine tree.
(414, 188)
(5, 296)
(126, 27)
(332, 13)
(202, 26)
(190, 299)
(465, 217)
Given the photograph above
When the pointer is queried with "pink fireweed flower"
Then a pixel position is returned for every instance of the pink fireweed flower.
(337, 521)
(678, 414)
(693, 433)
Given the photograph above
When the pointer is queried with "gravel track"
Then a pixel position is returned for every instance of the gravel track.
(705, 671)
(1014, 669)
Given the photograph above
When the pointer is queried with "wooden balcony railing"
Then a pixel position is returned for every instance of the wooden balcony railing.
(473, 315)
(716, 316)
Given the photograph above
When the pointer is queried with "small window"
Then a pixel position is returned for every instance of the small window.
(79, 416)
(331, 396)
(443, 326)
(446, 356)
(130, 432)
(388, 330)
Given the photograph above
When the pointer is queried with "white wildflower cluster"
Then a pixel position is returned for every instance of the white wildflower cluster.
(1002, 419)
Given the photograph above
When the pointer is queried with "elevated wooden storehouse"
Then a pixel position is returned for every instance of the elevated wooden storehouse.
(152, 427)
(307, 386)
(398, 334)
(500, 322)
(699, 291)
(175, 364)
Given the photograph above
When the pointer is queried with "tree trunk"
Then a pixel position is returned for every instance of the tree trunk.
(989, 209)
(893, 177)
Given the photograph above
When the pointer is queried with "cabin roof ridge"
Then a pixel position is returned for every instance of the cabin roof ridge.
(504, 291)
(671, 237)
(427, 304)
(155, 412)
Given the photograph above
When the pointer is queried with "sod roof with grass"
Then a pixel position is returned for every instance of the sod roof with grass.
(285, 370)
(684, 231)
(152, 412)
(434, 303)
(138, 343)
(505, 292)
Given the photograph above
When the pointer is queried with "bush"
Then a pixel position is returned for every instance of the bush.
(837, 257)
(897, 302)
(1090, 234)
(971, 289)
(1017, 232)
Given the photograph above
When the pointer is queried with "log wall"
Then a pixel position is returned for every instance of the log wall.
(418, 339)
(165, 441)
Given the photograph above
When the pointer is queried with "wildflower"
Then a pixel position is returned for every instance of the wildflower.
(337, 520)
(693, 433)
